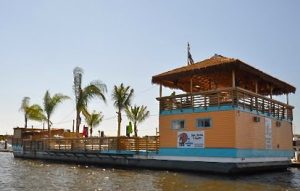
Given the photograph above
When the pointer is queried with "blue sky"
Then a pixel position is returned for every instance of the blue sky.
(130, 41)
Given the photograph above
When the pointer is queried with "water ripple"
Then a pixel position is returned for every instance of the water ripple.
(25, 175)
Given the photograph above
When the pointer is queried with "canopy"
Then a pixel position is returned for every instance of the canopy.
(216, 72)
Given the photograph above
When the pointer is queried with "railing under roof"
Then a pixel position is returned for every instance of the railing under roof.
(235, 97)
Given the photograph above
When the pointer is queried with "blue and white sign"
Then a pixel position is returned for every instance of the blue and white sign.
(268, 133)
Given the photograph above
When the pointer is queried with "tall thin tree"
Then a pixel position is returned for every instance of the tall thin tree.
(51, 103)
(33, 112)
(122, 97)
(93, 120)
(137, 114)
(84, 95)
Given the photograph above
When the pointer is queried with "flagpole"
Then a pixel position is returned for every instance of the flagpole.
(190, 60)
(187, 53)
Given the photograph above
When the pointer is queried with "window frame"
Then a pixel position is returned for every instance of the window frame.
(178, 120)
(204, 118)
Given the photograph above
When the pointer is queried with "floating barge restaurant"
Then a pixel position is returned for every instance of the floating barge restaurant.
(226, 120)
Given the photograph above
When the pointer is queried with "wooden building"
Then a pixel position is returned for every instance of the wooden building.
(226, 113)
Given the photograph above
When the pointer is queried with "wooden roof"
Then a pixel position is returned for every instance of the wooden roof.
(216, 72)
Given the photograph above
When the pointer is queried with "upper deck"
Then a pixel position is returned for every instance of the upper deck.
(227, 98)
(220, 82)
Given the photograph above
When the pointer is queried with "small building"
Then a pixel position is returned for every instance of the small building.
(227, 113)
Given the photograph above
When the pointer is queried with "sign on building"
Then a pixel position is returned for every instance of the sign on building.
(190, 139)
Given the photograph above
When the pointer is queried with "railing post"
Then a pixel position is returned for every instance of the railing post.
(157, 144)
(180, 103)
(263, 105)
(244, 100)
(118, 143)
(146, 144)
(137, 145)
(205, 106)
(192, 101)
(92, 144)
(256, 104)
(100, 140)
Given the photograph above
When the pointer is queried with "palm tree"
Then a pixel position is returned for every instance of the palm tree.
(137, 114)
(122, 98)
(33, 112)
(93, 120)
(83, 96)
(51, 103)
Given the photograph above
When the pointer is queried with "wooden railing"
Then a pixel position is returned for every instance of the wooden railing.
(235, 97)
(100, 144)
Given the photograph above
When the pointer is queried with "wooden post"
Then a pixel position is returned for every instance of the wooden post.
(271, 103)
(191, 90)
(256, 87)
(287, 99)
(256, 91)
(271, 92)
(191, 85)
(233, 78)
(160, 90)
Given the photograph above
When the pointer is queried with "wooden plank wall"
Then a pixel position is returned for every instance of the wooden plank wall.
(251, 134)
(220, 135)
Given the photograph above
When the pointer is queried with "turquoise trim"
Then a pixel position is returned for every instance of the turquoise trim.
(196, 110)
(228, 152)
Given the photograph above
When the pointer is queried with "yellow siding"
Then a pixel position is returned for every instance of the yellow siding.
(230, 129)
(220, 135)
(282, 135)
(251, 135)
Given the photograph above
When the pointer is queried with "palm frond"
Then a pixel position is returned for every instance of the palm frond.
(93, 119)
(35, 112)
(51, 103)
(25, 103)
(94, 89)
(122, 96)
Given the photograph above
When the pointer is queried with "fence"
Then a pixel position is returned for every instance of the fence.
(236, 97)
(99, 144)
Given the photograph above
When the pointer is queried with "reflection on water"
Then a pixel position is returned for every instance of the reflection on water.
(18, 174)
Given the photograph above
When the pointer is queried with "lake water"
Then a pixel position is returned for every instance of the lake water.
(20, 174)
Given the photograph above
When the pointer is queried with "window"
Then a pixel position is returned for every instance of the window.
(178, 124)
(203, 123)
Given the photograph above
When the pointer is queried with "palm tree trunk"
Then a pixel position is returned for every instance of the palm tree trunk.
(77, 121)
(135, 129)
(25, 126)
(91, 131)
(48, 123)
(119, 122)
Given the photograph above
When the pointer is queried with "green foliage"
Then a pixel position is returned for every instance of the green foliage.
(51, 103)
(84, 95)
(122, 97)
(31, 112)
(137, 114)
(93, 119)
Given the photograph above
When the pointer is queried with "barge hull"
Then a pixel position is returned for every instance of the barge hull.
(130, 161)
